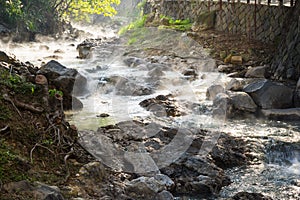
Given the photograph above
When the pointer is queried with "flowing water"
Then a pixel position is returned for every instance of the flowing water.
(275, 171)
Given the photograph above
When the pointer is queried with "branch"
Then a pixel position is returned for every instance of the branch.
(39, 145)
(6, 97)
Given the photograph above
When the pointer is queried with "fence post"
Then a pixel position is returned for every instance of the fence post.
(220, 4)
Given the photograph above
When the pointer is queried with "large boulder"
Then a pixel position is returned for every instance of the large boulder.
(213, 90)
(257, 72)
(69, 81)
(270, 95)
(232, 104)
(242, 102)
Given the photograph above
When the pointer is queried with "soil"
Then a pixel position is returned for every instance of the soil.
(253, 52)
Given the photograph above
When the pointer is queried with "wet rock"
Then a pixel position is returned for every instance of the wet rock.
(242, 101)
(133, 61)
(85, 48)
(225, 68)
(222, 106)
(213, 90)
(229, 153)
(256, 72)
(194, 175)
(250, 196)
(148, 187)
(190, 73)
(282, 114)
(103, 115)
(126, 87)
(183, 168)
(5, 57)
(268, 95)
(162, 106)
(69, 81)
(236, 84)
(156, 72)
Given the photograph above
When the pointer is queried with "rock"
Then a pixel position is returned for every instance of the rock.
(298, 84)
(41, 80)
(282, 114)
(5, 57)
(228, 153)
(213, 90)
(44, 47)
(236, 84)
(164, 195)
(85, 48)
(162, 106)
(102, 115)
(296, 98)
(54, 69)
(133, 61)
(222, 106)
(243, 102)
(270, 95)
(225, 68)
(206, 181)
(38, 190)
(126, 87)
(148, 187)
(92, 172)
(46, 192)
(156, 72)
(69, 81)
(256, 72)
(13, 187)
(76, 104)
(190, 73)
(249, 196)
(236, 60)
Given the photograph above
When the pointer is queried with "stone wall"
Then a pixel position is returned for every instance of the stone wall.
(259, 22)
(286, 63)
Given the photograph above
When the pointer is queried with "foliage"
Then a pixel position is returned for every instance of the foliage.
(55, 92)
(81, 9)
(16, 83)
(139, 23)
(177, 24)
(46, 16)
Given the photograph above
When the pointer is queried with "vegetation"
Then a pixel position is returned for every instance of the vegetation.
(176, 24)
(47, 16)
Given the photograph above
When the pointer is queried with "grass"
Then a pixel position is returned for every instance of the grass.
(176, 24)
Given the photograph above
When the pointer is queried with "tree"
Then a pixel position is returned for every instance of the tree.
(46, 16)
(81, 9)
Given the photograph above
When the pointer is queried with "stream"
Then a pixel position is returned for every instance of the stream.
(116, 88)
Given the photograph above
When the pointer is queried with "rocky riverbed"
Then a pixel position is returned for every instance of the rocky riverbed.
(157, 121)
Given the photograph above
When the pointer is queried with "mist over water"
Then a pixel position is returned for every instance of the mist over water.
(105, 69)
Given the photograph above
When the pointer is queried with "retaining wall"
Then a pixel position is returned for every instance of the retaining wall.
(260, 22)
